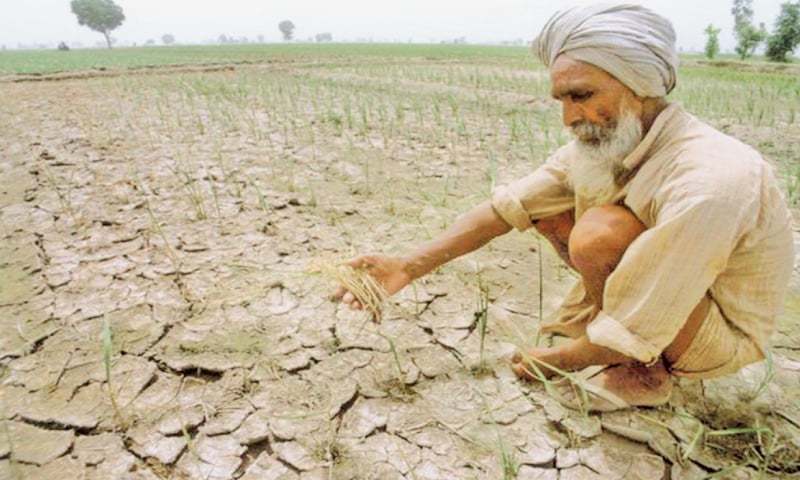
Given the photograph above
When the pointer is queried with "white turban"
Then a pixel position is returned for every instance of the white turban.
(630, 42)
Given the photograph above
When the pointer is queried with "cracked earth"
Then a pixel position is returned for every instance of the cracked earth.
(183, 210)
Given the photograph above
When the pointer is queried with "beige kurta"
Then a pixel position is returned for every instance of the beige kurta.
(717, 224)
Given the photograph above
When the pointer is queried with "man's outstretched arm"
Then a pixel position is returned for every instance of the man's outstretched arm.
(471, 231)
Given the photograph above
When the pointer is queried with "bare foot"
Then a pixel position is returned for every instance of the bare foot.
(527, 367)
(633, 384)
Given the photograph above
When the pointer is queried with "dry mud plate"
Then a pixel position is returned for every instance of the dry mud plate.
(160, 322)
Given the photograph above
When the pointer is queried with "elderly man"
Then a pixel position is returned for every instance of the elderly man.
(679, 233)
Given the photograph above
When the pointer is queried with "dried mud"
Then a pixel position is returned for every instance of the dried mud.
(133, 202)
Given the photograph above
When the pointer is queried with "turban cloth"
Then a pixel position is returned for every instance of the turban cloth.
(630, 42)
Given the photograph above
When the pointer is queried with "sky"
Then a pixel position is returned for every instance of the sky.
(193, 21)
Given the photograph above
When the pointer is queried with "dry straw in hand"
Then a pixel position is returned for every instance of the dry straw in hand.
(369, 293)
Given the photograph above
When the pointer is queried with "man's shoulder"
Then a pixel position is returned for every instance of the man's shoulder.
(714, 165)
(703, 142)
(703, 152)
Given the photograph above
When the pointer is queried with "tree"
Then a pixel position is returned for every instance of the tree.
(323, 37)
(100, 15)
(168, 39)
(287, 29)
(748, 37)
(712, 43)
(786, 36)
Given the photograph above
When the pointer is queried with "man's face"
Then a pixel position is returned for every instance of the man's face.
(593, 101)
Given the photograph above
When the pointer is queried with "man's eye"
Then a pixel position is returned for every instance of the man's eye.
(579, 97)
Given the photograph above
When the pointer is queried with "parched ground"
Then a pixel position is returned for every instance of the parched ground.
(167, 223)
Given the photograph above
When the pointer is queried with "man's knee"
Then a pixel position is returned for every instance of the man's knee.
(601, 236)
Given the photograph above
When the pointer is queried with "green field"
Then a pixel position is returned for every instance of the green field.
(48, 61)
(762, 91)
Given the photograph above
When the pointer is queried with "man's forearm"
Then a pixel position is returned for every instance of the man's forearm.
(470, 232)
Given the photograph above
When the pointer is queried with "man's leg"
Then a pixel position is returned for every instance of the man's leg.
(557, 229)
(576, 316)
(595, 246)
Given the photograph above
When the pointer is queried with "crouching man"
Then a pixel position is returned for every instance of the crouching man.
(679, 233)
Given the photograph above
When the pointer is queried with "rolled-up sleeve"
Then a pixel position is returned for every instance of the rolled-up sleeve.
(544, 192)
(668, 269)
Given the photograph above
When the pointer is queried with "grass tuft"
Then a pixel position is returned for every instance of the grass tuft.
(482, 320)
(108, 349)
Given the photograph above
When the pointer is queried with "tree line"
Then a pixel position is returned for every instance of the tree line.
(104, 16)
(780, 44)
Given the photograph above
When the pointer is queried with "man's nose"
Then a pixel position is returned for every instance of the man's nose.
(572, 114)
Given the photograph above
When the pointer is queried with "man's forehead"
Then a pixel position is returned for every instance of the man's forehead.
(568, 75)
(567, 85)
(570, 82)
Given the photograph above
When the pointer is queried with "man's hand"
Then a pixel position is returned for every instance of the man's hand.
(390, 272)
(470, 231)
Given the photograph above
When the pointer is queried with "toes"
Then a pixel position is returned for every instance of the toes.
(517, 369)
(521, 365)
(522, 371)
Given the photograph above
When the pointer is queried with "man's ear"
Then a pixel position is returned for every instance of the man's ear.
(650, 104)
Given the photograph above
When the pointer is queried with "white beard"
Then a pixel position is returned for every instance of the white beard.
(601, 151)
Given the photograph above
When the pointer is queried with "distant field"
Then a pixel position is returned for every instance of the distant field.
(52, 61)
(49, 61)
